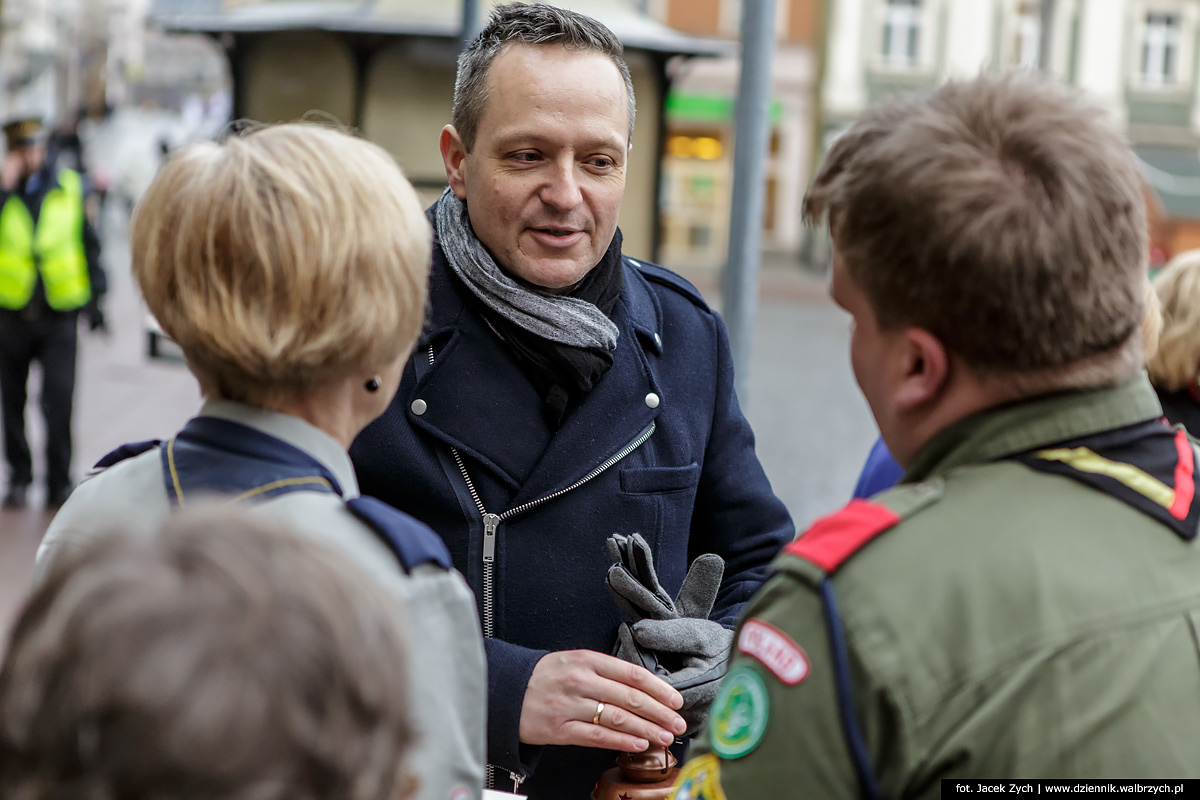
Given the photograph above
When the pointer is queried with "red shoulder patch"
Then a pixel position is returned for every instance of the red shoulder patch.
(834, 538)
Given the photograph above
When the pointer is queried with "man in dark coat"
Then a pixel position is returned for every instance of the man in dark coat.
(563, 393)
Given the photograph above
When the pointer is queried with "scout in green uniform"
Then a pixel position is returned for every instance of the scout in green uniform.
(1026, 603)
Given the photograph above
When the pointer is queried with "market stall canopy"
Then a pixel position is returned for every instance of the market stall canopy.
(634, 28)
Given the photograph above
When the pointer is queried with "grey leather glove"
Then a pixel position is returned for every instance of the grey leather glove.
(674, 639)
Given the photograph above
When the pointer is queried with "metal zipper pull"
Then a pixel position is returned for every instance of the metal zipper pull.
(490, 523)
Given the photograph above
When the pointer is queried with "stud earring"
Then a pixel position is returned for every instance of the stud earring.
(372, 385)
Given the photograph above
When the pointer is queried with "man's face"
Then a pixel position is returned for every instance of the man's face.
(872, 350)
(544, 180)
(32, 158)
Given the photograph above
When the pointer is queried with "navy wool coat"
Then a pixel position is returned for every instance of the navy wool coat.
(659, 447)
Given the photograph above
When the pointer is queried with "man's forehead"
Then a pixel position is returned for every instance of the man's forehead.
(588, 138)
(522, 73)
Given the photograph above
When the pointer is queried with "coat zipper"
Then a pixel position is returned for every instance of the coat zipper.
(491, 523)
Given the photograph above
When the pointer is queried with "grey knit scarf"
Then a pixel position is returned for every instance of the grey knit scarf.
(566, 320)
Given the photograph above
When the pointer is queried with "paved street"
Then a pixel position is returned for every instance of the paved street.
(813, 427)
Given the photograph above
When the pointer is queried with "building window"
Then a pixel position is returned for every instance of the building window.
(901, 32)
(1027, 42)
(1160, 49)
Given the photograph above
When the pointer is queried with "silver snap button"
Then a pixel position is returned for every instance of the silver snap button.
(418, 406)
(658, 340)
(652, 400)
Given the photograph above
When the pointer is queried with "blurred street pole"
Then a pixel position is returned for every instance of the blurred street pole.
(739, 284)
(1046, 36)
(470, 23)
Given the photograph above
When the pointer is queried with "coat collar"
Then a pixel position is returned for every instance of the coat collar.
(475, 398)
(293, 430)
(997, 433)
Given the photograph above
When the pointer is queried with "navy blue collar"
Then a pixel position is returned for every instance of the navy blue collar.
(251, 463)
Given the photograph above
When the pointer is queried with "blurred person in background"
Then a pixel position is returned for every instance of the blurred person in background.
(65, 146)
(50, 272)
(1022, 604)
(290, 265)
(562, 393)
(1175, 368)
(221, 657)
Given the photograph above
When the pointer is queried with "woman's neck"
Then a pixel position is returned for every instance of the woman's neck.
(332, 408)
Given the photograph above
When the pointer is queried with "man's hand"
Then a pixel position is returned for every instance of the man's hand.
(567, 687)
(95, 318)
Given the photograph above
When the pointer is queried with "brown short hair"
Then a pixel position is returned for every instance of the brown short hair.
(283, 257)
(535, 24)
(1176, 363)
(221, 659)
(1003, 214)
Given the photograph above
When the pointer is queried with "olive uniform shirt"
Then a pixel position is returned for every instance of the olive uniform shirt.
(1025, 604)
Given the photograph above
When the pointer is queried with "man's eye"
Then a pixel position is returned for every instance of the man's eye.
(527, 157)
(602, 162)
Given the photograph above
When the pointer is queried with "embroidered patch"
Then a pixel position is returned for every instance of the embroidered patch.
(776, 650)
(739, 716)
(700, 779)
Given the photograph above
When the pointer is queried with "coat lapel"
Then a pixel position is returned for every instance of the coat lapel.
(616, 410)
(475, 398)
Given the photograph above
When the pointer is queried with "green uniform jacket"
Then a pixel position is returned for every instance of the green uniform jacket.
(998, 621)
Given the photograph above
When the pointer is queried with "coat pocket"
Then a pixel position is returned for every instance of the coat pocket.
(655, 480)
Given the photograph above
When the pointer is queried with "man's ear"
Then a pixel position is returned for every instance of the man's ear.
(926, 370)
(454, 156)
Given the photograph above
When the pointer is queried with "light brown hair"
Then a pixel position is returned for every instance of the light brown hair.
(281, 258)
(1177, 361)
(1003, 214)
(221, 658)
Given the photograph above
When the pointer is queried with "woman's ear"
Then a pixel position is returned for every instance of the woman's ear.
(926, 370)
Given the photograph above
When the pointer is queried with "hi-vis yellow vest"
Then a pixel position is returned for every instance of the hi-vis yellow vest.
(56, 248)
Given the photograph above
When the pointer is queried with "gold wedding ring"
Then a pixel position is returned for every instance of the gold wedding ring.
(599, 711)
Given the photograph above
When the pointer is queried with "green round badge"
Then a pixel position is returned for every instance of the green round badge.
(739, 714)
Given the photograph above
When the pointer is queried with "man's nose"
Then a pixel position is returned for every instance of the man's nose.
(561, 190)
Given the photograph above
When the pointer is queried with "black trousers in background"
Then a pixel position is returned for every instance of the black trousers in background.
(51, 339)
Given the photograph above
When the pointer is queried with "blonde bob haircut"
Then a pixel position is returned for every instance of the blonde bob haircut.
(1174, 366)
(283, 258)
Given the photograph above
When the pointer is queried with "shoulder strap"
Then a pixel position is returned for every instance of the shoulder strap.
(855, 740)
(124, 453)
(833, 539)
(410, 541)
(672, 280)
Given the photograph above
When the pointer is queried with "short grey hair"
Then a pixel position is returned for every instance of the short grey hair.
(529, 24)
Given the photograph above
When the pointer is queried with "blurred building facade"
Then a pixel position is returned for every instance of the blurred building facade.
(387, 68)
(699, 116)
(58, 57)
(1139, 58)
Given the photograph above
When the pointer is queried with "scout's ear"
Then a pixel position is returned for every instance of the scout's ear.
(454, 158)
(926, 370)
